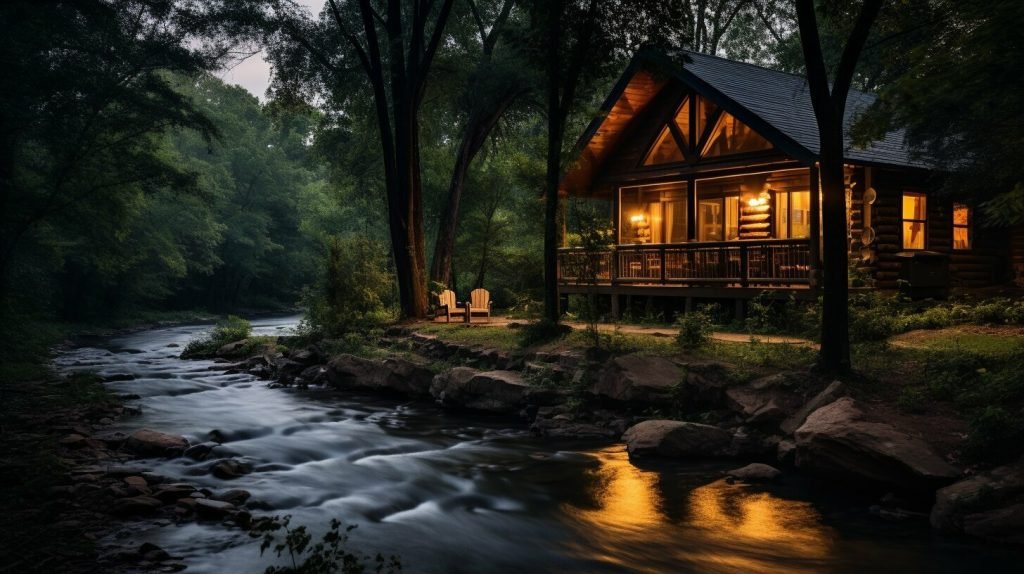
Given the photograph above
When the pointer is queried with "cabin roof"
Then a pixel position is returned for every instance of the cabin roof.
(775, 104)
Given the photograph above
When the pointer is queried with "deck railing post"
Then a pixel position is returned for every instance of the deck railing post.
(744, 265)
(661, 254)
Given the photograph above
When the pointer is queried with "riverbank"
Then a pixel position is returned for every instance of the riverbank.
(768, 409)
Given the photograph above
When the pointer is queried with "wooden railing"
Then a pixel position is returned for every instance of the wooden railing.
(762, 262)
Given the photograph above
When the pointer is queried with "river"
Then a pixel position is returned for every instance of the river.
(456, 493)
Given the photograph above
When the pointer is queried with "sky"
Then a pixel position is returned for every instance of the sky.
(253, 73)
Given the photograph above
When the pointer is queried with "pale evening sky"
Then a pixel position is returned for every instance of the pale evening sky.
(253, 73)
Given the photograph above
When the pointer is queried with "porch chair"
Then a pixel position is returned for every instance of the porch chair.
(448, 307)
(479, 304)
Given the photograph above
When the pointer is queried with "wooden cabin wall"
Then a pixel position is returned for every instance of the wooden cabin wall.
(980, 266)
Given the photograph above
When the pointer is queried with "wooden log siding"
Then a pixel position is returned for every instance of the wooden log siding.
(741, 263)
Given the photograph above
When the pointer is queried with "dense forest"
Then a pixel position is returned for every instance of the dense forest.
(423, 135)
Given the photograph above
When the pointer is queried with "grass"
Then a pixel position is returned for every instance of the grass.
(960, 341)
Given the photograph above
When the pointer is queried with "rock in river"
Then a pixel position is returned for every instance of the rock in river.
(493, 391)
(840, 441)
(638, 379)
(989, 505)
(676, 439)
(148, 442)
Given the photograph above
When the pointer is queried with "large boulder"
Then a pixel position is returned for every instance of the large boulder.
(769, 400)
(838, 440)
(831, 394)
(393, 375)
(676, 439)
(492, 391)
(148, 442)
(639, 379)
(989, 505)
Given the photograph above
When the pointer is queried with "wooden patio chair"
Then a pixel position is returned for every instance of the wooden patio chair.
(479, 304)
(448, 307)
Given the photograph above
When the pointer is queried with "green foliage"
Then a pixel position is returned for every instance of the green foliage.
(328, 556)
(695, 327)
(356, 292)
(996, 435)
(875, 316)
(542, 331)
(228, 330)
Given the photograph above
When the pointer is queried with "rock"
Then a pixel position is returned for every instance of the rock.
(832, 393)
(213, 508)
(755, 472)
(232, 349)
(136, 505)
(230, 468)
(492, 391)
(235, 496)
(153, 553)
(676, 439)
(201, 451)
(174, 492)
(989, 505)
(149, 442)
(785, 452)
(315, 375)
(394, 376)
(307, 356)
(638, 379)
(73, 440)
(558, 423)
(137, 484)
(838, 440)
(768, 400)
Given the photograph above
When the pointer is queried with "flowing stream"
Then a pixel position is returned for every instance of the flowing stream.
(457, 493)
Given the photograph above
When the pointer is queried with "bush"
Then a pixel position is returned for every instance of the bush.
(542, 331)
(997, 435)
(356, 292)
(695, 327)
(328, 556)
(226, 331)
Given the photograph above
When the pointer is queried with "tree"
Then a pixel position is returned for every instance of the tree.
(80, 126)
(579, 42)
(953, 87)
(829, 103)
(495, 85)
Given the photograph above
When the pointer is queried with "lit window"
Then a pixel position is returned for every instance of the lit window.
(719, 219)
(793, 214)
(733, 136)
(665, 149)
(961, 226)
(915, 220)
(653, 213)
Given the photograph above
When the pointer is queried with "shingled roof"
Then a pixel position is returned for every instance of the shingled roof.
(776, 104)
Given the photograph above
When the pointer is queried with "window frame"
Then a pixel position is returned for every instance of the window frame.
(969, 227)
(923, 222)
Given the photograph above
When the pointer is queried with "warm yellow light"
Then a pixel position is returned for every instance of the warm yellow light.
(638, 218)
(754, 202)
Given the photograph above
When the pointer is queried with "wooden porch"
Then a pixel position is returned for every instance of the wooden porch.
(749, 264)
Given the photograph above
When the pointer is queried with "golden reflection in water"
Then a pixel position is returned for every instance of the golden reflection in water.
(718, 527)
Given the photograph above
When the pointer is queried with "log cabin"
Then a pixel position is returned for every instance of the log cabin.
(708, 170)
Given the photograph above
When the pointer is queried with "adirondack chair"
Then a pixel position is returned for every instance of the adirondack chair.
(448, 307)
(479, 304)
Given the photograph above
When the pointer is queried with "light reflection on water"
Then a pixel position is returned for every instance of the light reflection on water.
(718, 527)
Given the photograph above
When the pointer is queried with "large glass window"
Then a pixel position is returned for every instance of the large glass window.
(718, 218)
(668, 147)
(653, 213)
(961, 226)
(792, 214)
(733, 136)
(915, 220)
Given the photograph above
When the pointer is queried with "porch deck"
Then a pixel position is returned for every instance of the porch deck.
(743, 265)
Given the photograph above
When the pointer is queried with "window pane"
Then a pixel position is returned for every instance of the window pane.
(711, 220)
(800, 213)
(653, 213)
(961, 214)
(782, 215)
(664, 150)
(704, 111)
(675, 221)
(732, 217)
(914, 206)
(913, 235)
(961, 238)
(733, 136)
(683, 120)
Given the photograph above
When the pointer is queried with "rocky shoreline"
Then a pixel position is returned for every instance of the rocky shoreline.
(670, 407)
(787, 422)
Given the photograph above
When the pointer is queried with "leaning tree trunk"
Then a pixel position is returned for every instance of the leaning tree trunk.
(835, 313)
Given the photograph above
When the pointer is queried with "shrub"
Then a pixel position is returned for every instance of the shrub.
(997, 435)
(542, 331)
(226, 331)
(356, 291)
(695, 327)
(328, 556)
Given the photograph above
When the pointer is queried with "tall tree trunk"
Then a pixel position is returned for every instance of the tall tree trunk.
(554, 156)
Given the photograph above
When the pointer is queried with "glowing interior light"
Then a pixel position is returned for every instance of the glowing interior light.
(754, 202)
(638, 218)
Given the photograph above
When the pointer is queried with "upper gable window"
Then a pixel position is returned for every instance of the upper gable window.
(668, 148)
(732, 136)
